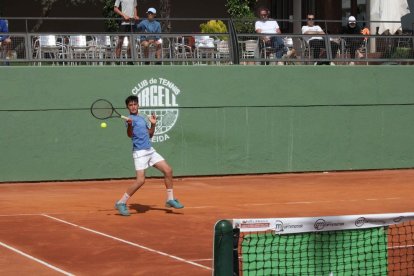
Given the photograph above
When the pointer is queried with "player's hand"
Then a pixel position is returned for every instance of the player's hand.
(152, 119)
(136, 17)
(126, 18)
(129, 121)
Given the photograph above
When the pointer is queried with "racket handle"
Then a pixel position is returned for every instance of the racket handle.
(125, 118)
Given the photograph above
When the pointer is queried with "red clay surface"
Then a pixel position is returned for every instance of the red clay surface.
(73, 227)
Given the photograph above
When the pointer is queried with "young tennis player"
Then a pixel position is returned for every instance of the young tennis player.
(144, 155)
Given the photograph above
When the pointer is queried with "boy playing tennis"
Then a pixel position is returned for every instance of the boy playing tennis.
(144, 155)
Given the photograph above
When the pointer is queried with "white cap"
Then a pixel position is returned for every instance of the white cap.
(152, 10)
(351, 19)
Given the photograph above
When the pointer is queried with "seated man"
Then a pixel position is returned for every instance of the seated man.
(150, 25)
(354, 42)
(5, 41)
(316, 43)
(270, 26)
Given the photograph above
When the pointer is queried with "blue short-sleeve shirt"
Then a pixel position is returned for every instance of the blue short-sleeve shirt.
(140, 135)
(147, 26)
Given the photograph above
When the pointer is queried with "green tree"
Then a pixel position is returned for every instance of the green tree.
(242, 13)
(214, 26)
(165, 12)
(111, 25)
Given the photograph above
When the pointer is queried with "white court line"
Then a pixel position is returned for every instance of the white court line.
(240, 205)
(129, 243)
(308, 202)
(19, 215)
(38, 214)
(201, 207)
(36, 259)
(400, 246)
(293, 203)
(201, 260)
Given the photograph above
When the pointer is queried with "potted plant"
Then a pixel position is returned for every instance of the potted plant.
(214, 27)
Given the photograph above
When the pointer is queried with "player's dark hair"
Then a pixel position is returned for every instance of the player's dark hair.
(131, 98)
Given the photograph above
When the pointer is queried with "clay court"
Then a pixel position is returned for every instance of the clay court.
(71, 227)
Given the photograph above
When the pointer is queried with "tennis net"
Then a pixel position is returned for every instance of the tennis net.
(380, 244)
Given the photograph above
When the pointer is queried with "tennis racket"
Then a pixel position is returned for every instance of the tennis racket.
(102, 109)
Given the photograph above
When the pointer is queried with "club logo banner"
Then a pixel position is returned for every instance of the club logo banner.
(159, 96)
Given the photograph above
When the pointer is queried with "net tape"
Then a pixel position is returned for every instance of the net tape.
(319, 224)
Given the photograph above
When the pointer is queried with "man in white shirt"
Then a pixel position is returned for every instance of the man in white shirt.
(317, 42)
(129, 15)
(269, 26)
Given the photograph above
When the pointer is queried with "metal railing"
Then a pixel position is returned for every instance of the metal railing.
(194, 48)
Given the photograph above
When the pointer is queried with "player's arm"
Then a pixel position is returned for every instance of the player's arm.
(153, 121)
(129, 127)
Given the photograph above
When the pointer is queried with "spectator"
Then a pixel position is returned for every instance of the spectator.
(150, 25)
(5, 41)
(269, 26)
(129, 14)
(316, 43)
(354, 42)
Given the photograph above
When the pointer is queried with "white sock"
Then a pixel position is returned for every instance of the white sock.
(124, 198)
(170, 194)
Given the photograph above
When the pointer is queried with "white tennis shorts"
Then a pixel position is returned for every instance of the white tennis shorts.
(145, 158)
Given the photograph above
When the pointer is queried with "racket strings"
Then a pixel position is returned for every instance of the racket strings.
(102, 109)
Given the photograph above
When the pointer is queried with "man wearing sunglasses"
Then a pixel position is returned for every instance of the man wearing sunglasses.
(316, 43)
(150, 25)
(269, 26)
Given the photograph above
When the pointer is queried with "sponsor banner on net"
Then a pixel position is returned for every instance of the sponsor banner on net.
(159, 96)
(319, 224)
(249, 225)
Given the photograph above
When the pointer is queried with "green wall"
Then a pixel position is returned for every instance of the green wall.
(232, 120)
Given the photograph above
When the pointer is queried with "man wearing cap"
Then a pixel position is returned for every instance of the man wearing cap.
(150, 25)
(129, 14)
(354, 42)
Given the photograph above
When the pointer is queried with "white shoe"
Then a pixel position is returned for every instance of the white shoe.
(280, 63)
(352, 63)
(332, 63)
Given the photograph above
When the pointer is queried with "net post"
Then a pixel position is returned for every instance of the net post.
(223, 248)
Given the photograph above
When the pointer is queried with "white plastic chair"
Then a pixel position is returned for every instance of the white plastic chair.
(181, 50)
(46, 46)
(103, 48)
(78, 47)
(223, 51)
(250, 49)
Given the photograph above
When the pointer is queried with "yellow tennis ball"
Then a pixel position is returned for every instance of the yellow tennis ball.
(103, 125)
